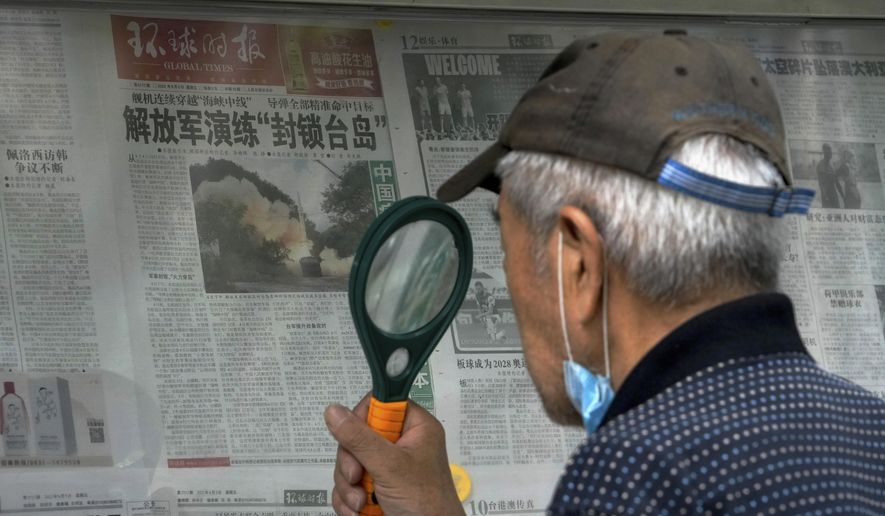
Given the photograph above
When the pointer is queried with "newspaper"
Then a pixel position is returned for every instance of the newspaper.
(182, 199)
(256, 159)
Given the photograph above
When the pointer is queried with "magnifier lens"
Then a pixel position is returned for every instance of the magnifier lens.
(411, 277)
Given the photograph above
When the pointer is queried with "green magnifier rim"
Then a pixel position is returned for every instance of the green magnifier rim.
(378, 344)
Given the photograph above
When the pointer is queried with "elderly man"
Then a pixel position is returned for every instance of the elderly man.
(643, 185)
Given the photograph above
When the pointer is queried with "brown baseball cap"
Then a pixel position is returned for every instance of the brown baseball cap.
(628, 100)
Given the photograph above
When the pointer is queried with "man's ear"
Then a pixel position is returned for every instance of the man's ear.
(582, 263)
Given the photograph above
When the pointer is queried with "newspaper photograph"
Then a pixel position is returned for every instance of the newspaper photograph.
(486, 322)
(845, 175)
(464, 95)
(293, 226)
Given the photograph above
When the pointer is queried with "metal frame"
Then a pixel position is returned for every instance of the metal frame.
(797, 11)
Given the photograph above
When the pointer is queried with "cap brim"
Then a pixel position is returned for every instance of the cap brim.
(478, 173)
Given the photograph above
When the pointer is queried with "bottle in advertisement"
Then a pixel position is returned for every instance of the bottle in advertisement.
(53, 417)
(297, 75)
(14, 421)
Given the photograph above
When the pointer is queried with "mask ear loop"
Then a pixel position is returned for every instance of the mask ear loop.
(608, 365)
(568, 347)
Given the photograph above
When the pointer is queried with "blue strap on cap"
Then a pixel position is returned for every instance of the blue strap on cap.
(757, 199)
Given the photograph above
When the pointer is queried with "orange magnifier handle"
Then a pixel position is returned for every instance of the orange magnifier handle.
(385, 418)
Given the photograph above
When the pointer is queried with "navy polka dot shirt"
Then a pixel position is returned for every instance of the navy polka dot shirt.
(730, 415)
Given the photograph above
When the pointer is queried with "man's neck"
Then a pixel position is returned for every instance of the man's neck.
(637, 325)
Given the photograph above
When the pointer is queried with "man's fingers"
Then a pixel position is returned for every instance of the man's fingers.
(351, 432)
(415, 415)
(341, 508)
(420, 426)
(348, 467)
(353, 496)
(359, 445)
(361, 410)
(341, 479)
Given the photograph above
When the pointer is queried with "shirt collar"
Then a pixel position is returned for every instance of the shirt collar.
(751, 326)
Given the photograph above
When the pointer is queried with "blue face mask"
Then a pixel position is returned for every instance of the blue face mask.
(591, 394)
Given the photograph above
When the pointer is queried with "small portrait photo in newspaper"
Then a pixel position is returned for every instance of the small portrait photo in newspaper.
(845, 175)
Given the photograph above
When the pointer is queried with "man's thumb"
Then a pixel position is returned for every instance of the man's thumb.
(357, 437)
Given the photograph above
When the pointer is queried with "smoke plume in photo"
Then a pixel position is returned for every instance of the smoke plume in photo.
(257, 235)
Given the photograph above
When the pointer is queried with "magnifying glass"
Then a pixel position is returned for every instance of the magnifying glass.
(409, 276)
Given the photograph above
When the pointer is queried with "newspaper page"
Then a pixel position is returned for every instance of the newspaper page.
(252, 157)
(193, 211)
(62, 319)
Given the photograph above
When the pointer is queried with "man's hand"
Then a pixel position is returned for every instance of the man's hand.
(411, 476)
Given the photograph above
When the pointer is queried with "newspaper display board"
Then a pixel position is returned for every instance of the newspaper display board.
(182, 197)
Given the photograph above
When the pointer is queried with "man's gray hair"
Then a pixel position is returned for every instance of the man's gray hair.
(673, 248)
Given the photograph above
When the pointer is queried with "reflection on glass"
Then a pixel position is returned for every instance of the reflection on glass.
(411, 277)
